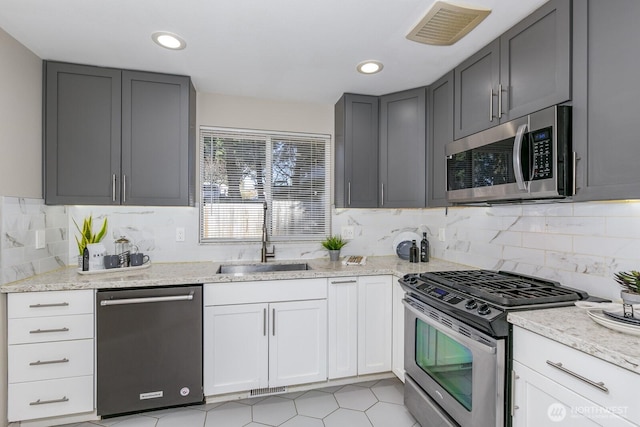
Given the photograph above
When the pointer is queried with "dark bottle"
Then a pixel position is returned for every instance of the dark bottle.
(85, 259)
(424, 248)
(414, 254)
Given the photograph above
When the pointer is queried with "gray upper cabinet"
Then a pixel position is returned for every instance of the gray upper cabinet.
(356, 153)
(476, 100)
(82, 134)
(605, 99)
(527, 69)
(439, 133)
(157, 160)
(535, 61)
(402, 149)
(118, 137)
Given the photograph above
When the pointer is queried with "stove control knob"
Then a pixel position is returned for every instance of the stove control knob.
(471, 304)
(484, 309)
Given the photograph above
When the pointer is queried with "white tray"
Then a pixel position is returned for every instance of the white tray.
(116, 270)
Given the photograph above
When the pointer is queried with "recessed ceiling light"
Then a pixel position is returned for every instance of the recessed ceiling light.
(169, 40)
(370, 67)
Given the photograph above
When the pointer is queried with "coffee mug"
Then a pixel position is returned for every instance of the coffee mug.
(138, 258)
(111, 261)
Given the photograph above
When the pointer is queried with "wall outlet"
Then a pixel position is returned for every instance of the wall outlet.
(347, 232)
(180, 234)
(41, 241)
(441, 235)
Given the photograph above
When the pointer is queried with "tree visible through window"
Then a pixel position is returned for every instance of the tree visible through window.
(240, 169)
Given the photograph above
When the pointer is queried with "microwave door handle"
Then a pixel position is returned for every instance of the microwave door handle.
(517, 158)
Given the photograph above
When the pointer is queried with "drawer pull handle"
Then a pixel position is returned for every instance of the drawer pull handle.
(49, 362)
(56, 304)
(598, 385)
(45, 331)
(46, 402)
(341, 282)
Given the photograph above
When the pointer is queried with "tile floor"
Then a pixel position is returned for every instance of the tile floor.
(366, 404)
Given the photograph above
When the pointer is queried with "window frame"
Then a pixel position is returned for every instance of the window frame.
(267, 194)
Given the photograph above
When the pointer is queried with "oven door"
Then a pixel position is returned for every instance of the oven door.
(460, 370)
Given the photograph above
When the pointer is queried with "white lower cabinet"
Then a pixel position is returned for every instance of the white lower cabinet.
(50, 354)
(374, 324)
(360, 317)
(343, 327)
(397, 359)
(269, 344)
(554, 384)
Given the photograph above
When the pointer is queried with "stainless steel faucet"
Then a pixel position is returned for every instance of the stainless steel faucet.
(265, 238)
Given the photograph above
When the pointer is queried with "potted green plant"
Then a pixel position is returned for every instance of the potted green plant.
(629, 281)
(333, 244)
(87, 236)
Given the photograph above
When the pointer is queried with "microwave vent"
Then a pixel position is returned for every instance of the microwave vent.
(446, 23)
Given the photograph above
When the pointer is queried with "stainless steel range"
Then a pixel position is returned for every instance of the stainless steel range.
(457, 351)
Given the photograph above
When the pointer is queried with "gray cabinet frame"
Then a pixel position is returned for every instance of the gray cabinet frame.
(356, 151)
(118, 137)
(402, 149)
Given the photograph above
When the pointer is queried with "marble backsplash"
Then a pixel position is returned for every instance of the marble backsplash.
(579, 244)
(20, 218)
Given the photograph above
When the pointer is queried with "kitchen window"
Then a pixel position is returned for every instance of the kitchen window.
(241, 169)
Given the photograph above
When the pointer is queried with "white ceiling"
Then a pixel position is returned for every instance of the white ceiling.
(299, 50)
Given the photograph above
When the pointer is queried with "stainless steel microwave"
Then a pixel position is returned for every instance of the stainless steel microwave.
(529, 158)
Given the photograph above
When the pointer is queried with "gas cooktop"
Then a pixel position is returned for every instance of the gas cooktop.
(483, 297)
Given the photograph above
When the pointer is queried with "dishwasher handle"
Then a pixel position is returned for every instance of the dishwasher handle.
(146, 300)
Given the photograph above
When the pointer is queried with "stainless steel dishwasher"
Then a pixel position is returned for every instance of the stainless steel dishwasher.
(149, 348)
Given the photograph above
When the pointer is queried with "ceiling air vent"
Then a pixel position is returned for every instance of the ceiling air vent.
(446, 23)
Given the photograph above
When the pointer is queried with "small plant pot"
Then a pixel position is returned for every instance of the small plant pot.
(630, 297)
(334, 255)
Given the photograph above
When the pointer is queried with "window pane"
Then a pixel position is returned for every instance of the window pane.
(241, 169)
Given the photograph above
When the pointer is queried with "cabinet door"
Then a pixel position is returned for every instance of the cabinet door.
(374, 324)
(298, 342)
(398, 330)
(402, 149)
(235, 348)
(540, 401)
(157, 150)
(476, 97)
(356, 158)
(82, 134)
(343, 327)
(535, 58)
(605, 95)
(439, 133)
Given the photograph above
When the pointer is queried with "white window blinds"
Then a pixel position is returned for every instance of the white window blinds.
(241, 169)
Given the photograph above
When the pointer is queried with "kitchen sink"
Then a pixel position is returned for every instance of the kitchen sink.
(261, 268)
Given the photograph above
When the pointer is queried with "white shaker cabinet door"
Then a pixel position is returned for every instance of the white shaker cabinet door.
(540, 401)
(236, 346)
(297, 342)
(343, 327)
(374, 324)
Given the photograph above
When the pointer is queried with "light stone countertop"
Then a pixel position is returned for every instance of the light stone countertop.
(573, 327)
(165, 274)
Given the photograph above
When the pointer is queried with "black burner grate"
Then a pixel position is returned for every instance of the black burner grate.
(504, 288)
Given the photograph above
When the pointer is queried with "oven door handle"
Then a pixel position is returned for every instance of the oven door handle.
(517, 158)
(465, 340)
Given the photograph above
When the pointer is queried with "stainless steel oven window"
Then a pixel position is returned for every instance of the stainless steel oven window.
(447, 361)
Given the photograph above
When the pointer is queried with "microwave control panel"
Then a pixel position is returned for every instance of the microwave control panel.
(542, 152)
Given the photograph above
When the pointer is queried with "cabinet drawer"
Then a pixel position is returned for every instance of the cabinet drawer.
(55, 328)
(534, 351)
(40, 399)
(46, 361)
(53, 303)
(264, 291)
